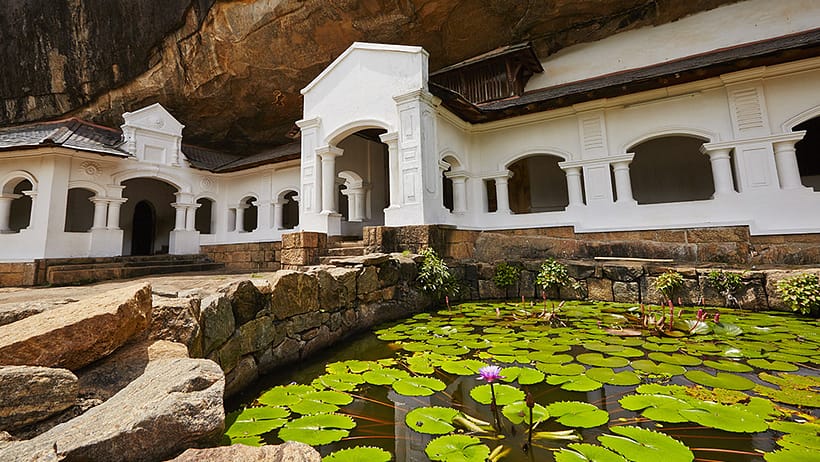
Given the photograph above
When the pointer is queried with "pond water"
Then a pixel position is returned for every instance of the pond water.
(606, 382)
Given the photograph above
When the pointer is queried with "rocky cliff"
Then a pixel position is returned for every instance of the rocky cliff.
(231, 70)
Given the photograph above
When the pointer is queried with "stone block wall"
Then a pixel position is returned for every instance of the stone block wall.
(17, 274)
(254, 325)
(250, 256)
(302, 249)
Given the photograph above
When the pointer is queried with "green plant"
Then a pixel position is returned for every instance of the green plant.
(802, 293)
(726, 284)
(553, 275)
(668, 282)
(506, 275)
(434, 276)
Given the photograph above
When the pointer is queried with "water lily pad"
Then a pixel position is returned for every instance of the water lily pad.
(641, 445)
(353, 366)
(431, 420)
(559, 369)
(524, 375)
(463, 366)
(384, 376)
(662, 347)
(772, 365)
(457, 448)
(318, 429)
(359, 453)
(577, 452)
(646, 365)
(548, 357)
(727, 365)
(504, 394)
(662, 408)
(786, 357)
(577, 414)
(418, 386)
(608, 376)
(599, 360)
(728, 418)
(675, 358)
(795, 427)
(792, 455)
(519, 413)
(257, 421)
(320, 402)
(574, 382)
(341, 382)
(721, 380)
(800, 440)
(284, 395)
(795, 396)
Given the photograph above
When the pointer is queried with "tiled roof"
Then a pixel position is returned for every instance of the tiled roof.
(69, 133)
(278, 154)
(206, 159)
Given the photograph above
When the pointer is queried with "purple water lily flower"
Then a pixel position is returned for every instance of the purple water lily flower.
(490, 373)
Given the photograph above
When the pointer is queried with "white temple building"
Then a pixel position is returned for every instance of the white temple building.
(717, 123)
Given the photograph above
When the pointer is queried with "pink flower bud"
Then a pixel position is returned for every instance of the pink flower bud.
(717, 317)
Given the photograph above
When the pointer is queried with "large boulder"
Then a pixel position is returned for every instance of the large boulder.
(29, 394)
(77, 334)
(287, 452)
(293, 293)
(175, 404)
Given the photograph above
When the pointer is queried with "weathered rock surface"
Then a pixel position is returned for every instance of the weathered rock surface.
(293, 293)
(107, 377)
(176, 320)
(175, 404)
(30, 394)
(287, 452)
(77, 334)
(232, 70)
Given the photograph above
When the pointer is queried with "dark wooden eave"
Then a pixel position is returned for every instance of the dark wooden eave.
(691, 68)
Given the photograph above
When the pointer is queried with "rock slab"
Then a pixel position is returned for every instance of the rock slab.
(176, 404)
(287, 452)
(77, 334)
(29, 394)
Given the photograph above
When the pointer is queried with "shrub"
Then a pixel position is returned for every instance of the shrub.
(553, 275)
(434, 276)
(506, 275)
(723, 282)
(668, 282)
(802, 293)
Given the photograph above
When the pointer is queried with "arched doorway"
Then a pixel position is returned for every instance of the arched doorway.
(808, 153)
(538, 185)
(144, 229)
(79, 213)
(20, 213)
(364, 171)
(671, 169)
(204, 216)
(151, 231)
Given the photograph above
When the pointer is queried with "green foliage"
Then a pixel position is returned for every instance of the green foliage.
(553, 275)
(461, 448)
(506, 275)
(357, 453)
(802, 293)
(435, 277)
(668, 282)
(723, 282)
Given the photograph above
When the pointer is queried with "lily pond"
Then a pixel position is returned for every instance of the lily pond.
(576, 381)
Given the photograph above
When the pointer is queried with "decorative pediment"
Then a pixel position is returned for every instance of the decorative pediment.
(154, 118)
(153, 135)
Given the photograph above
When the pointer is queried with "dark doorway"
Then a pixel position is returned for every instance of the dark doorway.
(142, 237)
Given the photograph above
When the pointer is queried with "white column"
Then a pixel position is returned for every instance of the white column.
(240, 218)
(100, 212)
(623, 184)
(502, 193)
(329, 155)
(190, 217)
(785, 158)
(721, 170)
(459, 192)
(179, 219)
(392, 142)
(277, 215)
(574, 188)
(5, 211)
(114, 205)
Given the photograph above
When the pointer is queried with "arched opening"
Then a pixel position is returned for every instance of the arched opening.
(670, 169)
(364, 193)
(144, 229)
(447, 189)
(204, 218)
(151, 226)
(79, 211)
(538, 185)
(20, 211)
(290, 210)
(808, 153)
(250, 215)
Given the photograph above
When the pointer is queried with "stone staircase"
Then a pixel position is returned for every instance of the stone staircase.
(342, 246)
(63, 271)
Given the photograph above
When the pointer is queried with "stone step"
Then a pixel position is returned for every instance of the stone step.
(345, 251)
(118, 268)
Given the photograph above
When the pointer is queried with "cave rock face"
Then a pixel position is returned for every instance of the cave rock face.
(232, 70)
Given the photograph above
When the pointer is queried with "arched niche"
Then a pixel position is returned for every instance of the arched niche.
(670, 168)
